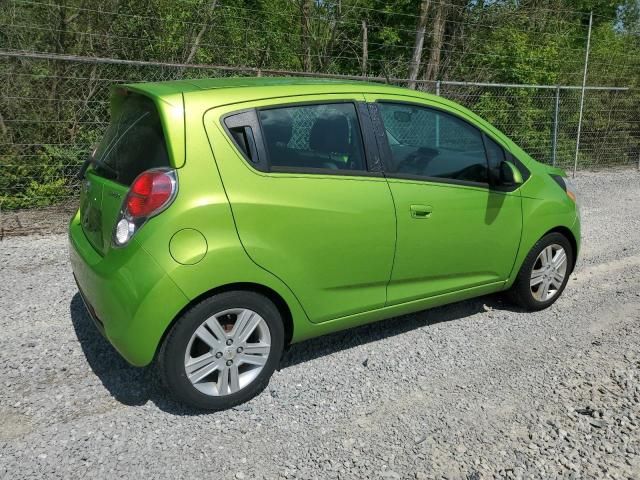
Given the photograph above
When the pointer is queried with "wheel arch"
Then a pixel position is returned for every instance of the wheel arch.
(275, 297)
(568, 234)
(531, 238)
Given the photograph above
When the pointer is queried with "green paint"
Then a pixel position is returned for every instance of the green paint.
(339, 250)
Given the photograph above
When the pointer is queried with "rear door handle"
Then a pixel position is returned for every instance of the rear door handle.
(420, 211)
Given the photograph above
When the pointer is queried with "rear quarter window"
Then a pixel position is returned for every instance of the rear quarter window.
(134, 141)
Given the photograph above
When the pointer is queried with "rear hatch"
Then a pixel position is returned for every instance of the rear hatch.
(134, 142)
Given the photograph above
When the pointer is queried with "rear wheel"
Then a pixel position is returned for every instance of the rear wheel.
(544, 273)
(222, 351)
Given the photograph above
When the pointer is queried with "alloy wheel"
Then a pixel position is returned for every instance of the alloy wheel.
(227, 351)
(548, 272)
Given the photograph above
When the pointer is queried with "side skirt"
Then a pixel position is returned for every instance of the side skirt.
(311, 330)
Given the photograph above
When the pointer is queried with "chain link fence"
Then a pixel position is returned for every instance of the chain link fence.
(54, 108)
(543, 120)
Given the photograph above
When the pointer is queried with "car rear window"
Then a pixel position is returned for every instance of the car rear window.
(133, 143)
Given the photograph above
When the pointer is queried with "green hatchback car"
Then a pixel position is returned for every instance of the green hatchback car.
(221, 220)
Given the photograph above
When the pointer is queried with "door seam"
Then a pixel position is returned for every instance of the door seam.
(235, 225)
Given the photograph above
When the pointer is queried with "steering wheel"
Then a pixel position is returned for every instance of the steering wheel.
(417, 161)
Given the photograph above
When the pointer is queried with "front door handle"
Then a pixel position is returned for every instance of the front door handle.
(421, 211)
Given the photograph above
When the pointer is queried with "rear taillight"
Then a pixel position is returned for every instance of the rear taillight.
(150, 193)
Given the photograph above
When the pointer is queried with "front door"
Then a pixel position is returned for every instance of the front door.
(453, 231)
(307, 207)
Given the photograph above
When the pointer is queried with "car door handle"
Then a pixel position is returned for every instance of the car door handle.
(420, 211)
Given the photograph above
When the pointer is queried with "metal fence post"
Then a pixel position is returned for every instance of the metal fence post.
(438, 118)
(584, 84)
(554, 140)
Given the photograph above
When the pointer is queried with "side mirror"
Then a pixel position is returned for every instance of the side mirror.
(509, 174)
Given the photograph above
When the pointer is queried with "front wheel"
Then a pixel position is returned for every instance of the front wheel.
(544, 273)
(222, 351)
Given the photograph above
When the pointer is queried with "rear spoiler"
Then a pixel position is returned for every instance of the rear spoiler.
(171, 112)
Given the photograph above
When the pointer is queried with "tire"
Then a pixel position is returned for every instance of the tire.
(528, 296)
(233, 371)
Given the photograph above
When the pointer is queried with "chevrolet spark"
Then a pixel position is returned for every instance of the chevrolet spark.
(222, 220)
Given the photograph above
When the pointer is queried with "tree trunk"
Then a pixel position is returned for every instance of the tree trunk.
(305, 33)
(196, 43)
(365, 48)
(327, 49)
(433, 67)
(416, 56)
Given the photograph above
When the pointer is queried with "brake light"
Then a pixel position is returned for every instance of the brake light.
(150, 193)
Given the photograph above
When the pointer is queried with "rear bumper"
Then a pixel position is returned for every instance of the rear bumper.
(130, 298)
(92, 313)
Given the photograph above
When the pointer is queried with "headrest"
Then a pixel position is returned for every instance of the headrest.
(330, 135)
(277, 128)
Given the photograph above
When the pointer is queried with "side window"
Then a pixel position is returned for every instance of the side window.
(430, 143)
(495, 157)
(323, 137)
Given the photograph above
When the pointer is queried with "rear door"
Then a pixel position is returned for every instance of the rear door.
(454, 230)
(309, 203)
(134, 142)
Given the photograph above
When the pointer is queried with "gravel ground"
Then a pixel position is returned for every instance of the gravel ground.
(472, 390)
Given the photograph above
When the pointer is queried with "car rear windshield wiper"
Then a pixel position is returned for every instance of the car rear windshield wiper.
(91, 160)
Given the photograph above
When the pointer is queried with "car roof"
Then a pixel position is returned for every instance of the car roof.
(303, 84)
(233, 90)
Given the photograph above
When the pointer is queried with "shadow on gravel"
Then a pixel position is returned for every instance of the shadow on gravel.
(129, 385)
(136, 386)
(321, 346)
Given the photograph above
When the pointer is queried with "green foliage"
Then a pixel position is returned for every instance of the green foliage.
(51, 112)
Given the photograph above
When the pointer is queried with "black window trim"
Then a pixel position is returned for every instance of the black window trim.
(386, 151)
(261, 164)
(509, 158)
(372, 168)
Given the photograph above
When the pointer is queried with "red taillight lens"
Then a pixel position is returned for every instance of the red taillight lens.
(150, 192)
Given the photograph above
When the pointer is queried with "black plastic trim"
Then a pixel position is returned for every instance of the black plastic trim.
(422, 178)
(559, 180)
(306, 103)
(90, 310)
(247, 118)
(492, 174)
(372, 152)
(380, 135)
(325, 171)
(524, 171)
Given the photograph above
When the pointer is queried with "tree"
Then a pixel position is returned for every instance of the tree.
(416, 56)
